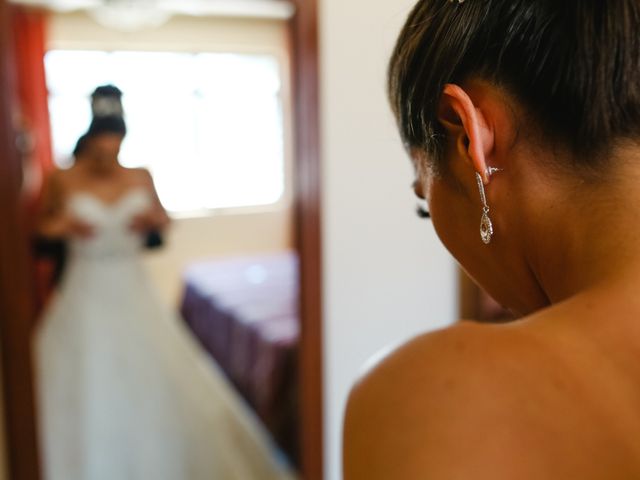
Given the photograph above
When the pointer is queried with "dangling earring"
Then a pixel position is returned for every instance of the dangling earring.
(486, 227)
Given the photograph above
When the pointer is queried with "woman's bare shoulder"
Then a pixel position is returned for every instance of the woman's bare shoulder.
(139, 175)
(140, 172)
(463, 350)
(61, 174)
(438, 396)
(59, 179)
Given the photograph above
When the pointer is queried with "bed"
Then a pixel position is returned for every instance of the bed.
(244, 312)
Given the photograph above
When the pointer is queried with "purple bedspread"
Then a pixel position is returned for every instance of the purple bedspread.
(244, 312)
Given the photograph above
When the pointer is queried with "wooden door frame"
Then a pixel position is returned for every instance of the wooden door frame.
(16, 292)
(477, 305)
(17, 302)
(305, 60)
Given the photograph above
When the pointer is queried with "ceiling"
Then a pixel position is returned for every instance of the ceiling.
(244, 8)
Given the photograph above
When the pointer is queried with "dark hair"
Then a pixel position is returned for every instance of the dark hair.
(108, 90)
(81, 145)
(573, 65)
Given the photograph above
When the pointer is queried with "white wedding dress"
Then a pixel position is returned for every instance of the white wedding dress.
(124, 392)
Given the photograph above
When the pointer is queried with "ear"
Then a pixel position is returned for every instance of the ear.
(466, 123)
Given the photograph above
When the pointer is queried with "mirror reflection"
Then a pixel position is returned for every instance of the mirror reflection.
(167, 284)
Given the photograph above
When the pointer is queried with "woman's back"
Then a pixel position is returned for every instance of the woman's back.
(540, 398)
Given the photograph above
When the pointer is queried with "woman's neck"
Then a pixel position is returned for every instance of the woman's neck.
(593, 240)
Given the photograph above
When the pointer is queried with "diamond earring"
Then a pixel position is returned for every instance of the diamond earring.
(486, 227)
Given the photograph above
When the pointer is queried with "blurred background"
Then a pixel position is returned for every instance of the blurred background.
(266, 127)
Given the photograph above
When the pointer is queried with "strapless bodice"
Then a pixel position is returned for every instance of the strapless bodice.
(112, 235)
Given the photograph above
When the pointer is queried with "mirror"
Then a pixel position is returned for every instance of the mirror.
(167, 344)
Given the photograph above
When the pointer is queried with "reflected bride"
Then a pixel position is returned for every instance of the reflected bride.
(124, 392)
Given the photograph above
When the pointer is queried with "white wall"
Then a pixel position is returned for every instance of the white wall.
(181, 33)
(386, 275)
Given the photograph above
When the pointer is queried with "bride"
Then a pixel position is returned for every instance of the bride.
(124, 392)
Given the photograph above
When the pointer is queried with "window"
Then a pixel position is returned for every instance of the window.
(209, 126)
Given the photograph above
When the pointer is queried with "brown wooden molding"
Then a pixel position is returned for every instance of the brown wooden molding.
(16, 300)
(468, 296)
(304, 49)
(478, 305)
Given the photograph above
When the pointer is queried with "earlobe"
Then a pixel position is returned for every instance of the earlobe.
(460, 117)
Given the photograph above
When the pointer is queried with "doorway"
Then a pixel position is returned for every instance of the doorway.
(17, 304)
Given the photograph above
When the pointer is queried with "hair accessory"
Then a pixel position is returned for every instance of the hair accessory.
(108, 114)
(456, 1)
(107, 107)
(486, 227)
(106, 101)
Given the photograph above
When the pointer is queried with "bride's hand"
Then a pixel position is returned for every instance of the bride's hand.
(65, 226)
(77, 228)
(148, 221)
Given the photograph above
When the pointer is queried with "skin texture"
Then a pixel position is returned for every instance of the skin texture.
(98, 171)
(554, 395)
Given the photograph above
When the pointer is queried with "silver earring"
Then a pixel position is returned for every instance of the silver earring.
(492, 170)
(486, 227)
